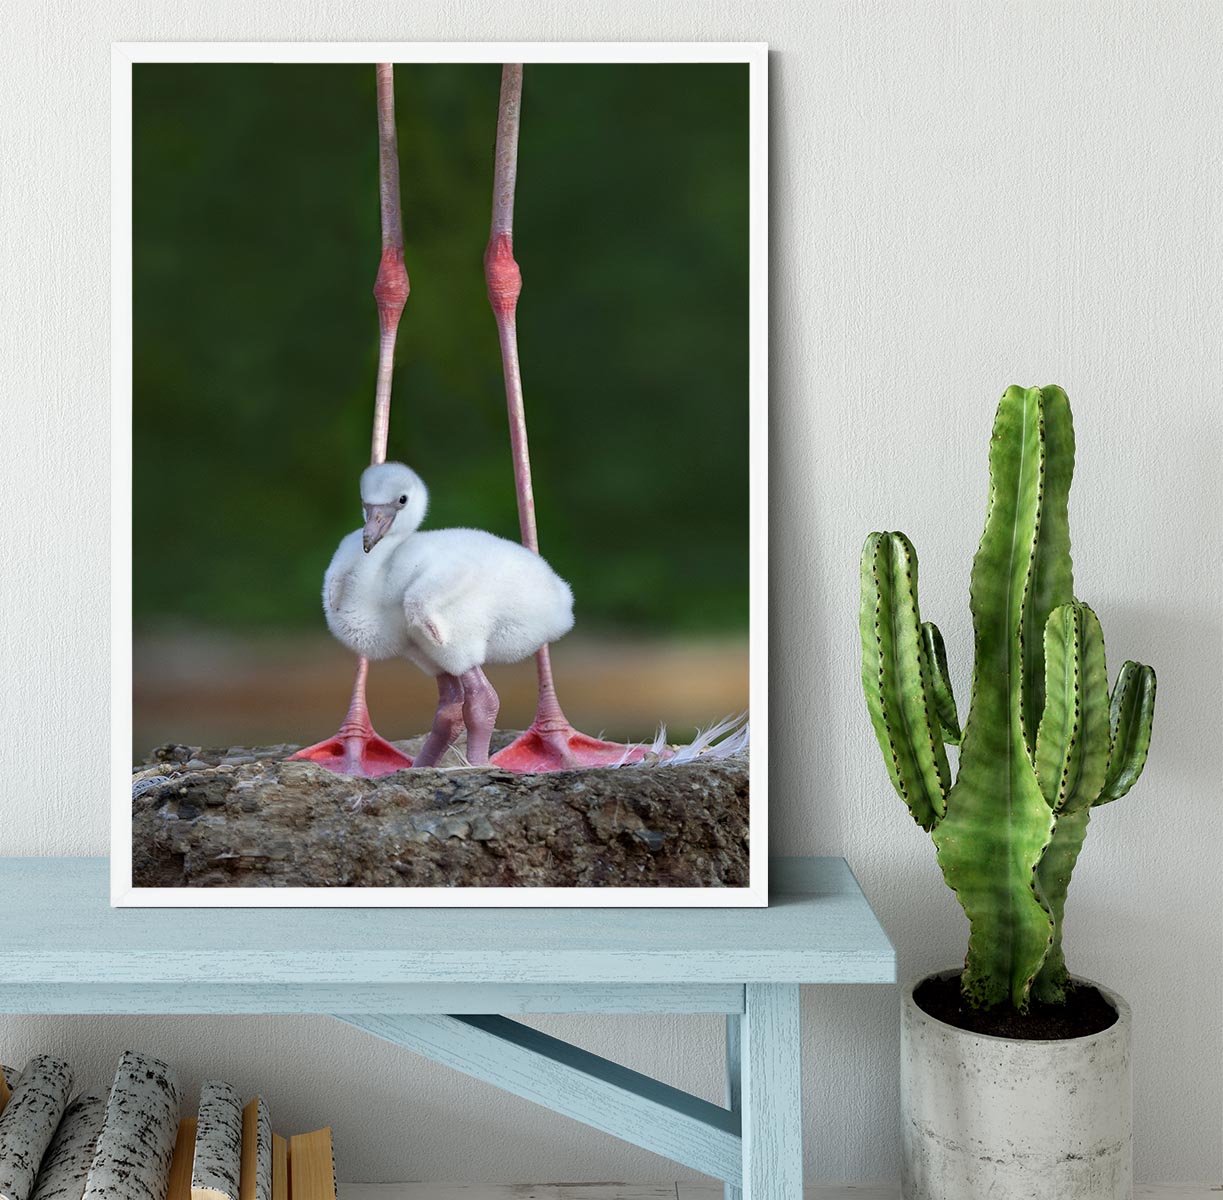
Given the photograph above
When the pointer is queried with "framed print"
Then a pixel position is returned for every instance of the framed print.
(455, 593)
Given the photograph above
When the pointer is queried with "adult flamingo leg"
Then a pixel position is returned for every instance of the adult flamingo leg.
(356, 749)
(551, 743)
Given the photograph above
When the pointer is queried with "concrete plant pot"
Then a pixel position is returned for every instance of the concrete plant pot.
(1015, 1120)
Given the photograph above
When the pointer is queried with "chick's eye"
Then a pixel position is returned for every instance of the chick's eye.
(403, 500)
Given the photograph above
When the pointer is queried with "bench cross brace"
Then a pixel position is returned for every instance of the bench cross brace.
(754, 1144)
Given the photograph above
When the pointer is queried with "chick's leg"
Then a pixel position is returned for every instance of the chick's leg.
(480, 706)
(447, 721)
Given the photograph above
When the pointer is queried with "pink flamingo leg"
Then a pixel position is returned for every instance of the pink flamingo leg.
(551, 743)
(480, 705)
(447, 721)
(357, 749)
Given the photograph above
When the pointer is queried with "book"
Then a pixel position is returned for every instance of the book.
(256, 1178)
(312, 1166)
(280, 1168)
(184, 1156)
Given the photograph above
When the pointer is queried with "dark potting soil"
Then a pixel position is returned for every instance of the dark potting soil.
(1084, 1012)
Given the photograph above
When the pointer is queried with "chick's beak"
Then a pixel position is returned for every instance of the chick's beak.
(378, 518)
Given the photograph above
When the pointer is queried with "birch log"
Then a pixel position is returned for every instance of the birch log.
(136, 1145)
(184, 1156)
(256, 1180)
(39, 1098)
(280, 1168)
(218, 1144)
(65, 1167)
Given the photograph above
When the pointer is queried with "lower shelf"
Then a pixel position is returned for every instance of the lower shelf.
(680, 1191)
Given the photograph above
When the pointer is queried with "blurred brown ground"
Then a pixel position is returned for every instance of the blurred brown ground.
(216, 690)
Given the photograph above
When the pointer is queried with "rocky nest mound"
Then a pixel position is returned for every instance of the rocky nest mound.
(244, 817)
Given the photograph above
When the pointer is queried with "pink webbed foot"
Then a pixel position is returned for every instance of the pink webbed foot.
(356, 752)
(547, 746)
(356, 749)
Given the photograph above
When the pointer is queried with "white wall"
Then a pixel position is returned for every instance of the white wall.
(964, 196)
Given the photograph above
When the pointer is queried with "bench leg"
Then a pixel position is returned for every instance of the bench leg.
(770, 1093)
(734, 1090)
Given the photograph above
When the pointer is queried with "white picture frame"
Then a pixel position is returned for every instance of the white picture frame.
(124, 57)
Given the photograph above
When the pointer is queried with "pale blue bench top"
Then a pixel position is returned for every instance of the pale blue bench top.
(64, 949)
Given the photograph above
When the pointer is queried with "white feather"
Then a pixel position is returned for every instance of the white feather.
(722, 739)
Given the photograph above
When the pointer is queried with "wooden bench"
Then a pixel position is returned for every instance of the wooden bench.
(427, 979)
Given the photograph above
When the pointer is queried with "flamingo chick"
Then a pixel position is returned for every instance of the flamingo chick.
(449, 600)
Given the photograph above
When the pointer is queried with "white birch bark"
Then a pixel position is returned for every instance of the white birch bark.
(40, 1095)
(256, 1180)
(218, 1144)
(132, 1159)
(65, 1166)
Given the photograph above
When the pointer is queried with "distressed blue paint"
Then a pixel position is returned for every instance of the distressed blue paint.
(575, 1083)
(734, 1083)
(772, 1093)
(221, 996)
(819, 930)
(63, 949)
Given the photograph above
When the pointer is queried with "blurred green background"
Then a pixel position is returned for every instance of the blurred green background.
(255, 244)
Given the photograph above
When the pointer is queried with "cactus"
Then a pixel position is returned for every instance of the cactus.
(1043, 742)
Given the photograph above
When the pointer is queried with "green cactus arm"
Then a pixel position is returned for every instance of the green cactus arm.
(997, 823)
(1050, 573)
(896, 677)
(944, 698)
(1131, 713)
(1073, 739)
(1053, 880)
(1072, 749)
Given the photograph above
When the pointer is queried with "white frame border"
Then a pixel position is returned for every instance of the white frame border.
(123, 56)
